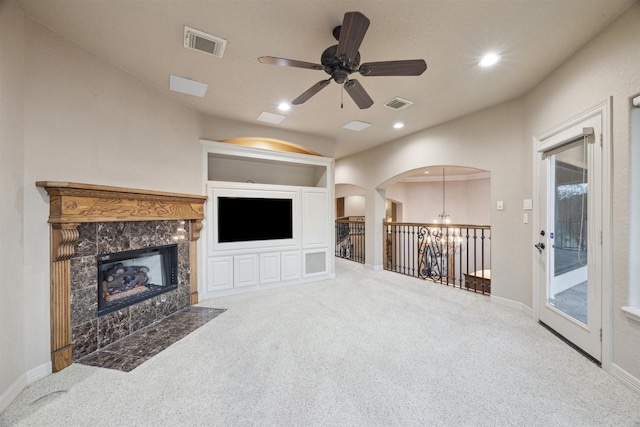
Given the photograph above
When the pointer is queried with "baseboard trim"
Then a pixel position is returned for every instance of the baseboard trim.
(39, 372)
(22, 382)
(625, 377)
(203, 296)
(513, 304)
(12, 392)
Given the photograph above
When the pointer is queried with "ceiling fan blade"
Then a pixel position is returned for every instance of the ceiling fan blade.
(289, 63)
(311, 91)
(354, 27)
(411, 67)
(358, 94)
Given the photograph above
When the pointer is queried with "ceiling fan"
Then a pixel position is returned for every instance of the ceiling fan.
(343, 59)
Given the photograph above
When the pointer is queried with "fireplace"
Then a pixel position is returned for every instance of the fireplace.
(94, 224)
(124, 277)
(129, 277)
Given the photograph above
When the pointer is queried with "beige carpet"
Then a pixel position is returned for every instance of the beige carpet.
(367, 349)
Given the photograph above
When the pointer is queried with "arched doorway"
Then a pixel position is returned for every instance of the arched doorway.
(442, 231)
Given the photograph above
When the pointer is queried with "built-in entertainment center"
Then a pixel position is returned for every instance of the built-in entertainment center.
(268, 219)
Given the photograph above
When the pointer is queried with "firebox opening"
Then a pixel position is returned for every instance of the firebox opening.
(126, 278)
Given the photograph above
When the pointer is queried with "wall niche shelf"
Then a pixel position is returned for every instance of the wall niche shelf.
(275, 168)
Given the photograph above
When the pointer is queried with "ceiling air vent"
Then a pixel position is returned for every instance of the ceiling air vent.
(398, 104)
(194, 39)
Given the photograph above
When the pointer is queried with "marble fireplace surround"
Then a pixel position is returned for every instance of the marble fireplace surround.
(87, 220)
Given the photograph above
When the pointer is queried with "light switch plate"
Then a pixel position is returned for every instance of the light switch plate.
(500, 205)
(527, 205)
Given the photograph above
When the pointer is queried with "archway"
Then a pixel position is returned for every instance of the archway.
(442, 232)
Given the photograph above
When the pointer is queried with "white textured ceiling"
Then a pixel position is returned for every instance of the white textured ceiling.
(144, 37)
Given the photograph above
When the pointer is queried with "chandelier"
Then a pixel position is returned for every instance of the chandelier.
(443, 218)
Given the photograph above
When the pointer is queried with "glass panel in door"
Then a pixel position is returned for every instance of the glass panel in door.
(568, 284)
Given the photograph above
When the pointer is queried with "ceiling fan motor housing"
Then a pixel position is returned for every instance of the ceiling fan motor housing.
(340, 75)
(337, 69)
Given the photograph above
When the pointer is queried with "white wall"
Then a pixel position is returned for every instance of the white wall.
(608, 66)
(466, 201)
(87, 121)
(354, 205)
(346, 190)
(478, 200)
(12, 293)
(354, 199)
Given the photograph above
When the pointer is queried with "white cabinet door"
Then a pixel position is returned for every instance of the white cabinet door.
(245, 270)
(291, 265)
(315, 218)
(270, 267)
(219, 273)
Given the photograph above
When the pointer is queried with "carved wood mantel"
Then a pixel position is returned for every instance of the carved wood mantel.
(72, 204)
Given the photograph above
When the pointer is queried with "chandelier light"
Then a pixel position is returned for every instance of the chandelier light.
(443, 218)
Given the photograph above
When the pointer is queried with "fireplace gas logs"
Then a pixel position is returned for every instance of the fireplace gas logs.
(71, 204)
(122, 282)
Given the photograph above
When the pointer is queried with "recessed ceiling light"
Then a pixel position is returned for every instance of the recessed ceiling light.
(356, 125)
(426, 172)
(283, 106)
(489, 60)
(398, 125)
(270, 117)
(187, 86)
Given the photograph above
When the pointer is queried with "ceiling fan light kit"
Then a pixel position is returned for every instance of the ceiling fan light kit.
(341, 60)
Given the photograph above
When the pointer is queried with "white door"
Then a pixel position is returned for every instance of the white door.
(568, 249)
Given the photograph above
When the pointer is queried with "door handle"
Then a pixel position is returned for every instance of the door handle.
(539, 246)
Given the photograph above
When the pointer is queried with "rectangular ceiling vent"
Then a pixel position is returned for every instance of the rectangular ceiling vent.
(398, 104)
(195, 39)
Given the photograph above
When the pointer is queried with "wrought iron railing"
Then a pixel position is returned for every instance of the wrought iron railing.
(350, 239)
(455, 255)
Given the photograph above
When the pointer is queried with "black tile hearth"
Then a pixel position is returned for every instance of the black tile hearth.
(130, 352)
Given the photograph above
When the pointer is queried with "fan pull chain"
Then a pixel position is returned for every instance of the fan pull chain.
(342, 97)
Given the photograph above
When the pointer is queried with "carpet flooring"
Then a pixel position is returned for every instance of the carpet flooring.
(370, 348)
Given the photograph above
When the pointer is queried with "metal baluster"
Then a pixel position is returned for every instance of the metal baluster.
(475, 259)
(482, 261)
(468, 251)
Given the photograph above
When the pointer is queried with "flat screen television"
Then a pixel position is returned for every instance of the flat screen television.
(246, 219)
